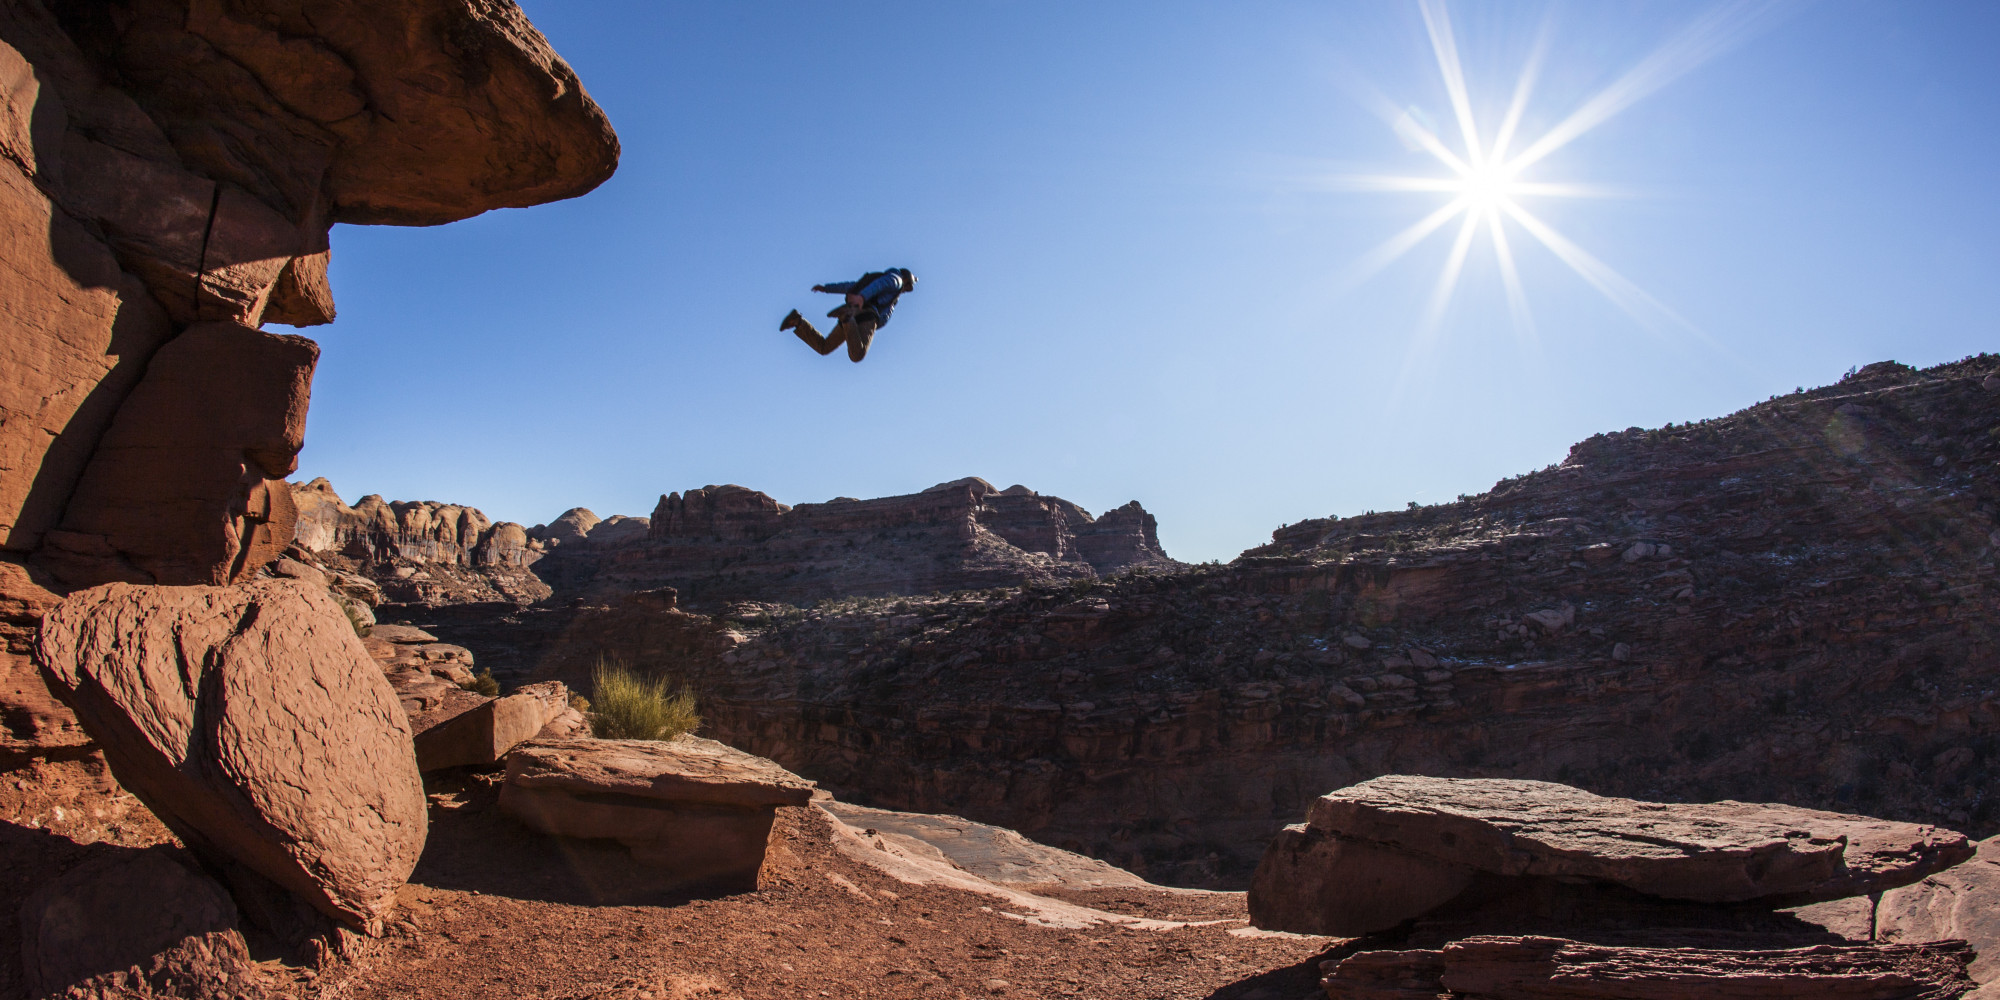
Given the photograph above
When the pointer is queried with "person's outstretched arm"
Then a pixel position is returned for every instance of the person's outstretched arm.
(835, 287)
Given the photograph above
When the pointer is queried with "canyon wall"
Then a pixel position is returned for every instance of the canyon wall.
(171, 171)
(1796, 603)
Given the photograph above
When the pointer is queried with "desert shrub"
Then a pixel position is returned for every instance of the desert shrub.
(627, 706)
(483, 683)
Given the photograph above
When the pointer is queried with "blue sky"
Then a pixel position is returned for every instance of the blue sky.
(1135, 240)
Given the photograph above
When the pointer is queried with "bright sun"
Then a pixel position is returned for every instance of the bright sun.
(1485, 186)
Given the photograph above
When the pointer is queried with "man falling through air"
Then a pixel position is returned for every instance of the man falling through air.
(870, 300)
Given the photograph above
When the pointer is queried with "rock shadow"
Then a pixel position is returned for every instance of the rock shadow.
(474, 847)
(1292, 982)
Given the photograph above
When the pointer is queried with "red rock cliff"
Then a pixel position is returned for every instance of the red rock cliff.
(171, 169)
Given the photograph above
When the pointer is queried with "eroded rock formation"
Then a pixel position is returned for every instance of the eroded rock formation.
(419, 553)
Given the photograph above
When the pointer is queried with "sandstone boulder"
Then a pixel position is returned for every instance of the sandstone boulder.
(1532, 968)
(1961, 902)
(132, 923)
(1385, 850)
(252, 722)
(483, 733)
(694, 807)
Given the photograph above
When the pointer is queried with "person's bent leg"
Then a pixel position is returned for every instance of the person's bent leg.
(824, 345)
(858, 338)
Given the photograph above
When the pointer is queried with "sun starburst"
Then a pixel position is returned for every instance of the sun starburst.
(1485, 181)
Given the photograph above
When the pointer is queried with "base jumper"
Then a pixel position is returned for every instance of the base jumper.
(870, 300)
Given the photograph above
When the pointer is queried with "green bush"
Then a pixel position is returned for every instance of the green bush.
(627, 706)
(484, 683)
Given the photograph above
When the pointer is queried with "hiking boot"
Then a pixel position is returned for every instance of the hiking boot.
(792, 320)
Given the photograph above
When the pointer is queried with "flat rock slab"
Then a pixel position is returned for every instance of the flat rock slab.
(695, 807)
(1541, 968)
(1385, 850)
(994, 853)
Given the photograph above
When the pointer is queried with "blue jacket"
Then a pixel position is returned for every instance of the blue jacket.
(878, 290)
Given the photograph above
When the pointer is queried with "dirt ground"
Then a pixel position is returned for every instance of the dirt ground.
(494, 910)
(497, 911)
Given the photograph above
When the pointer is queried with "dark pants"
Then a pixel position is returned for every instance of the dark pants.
(856, 330)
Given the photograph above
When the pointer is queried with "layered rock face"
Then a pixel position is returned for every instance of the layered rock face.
(419, 553)
(727, 542)
(1796, 604)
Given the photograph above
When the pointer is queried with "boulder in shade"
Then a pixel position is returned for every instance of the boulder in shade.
(82, 935)
(250, 719)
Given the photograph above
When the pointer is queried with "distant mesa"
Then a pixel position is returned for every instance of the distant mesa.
(728, 542)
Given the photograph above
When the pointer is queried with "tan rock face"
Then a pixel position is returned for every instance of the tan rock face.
(694, 807)
(132, 923)
(250, 719)
(79, 330)
(1962, 902)
(1434, 835)
(187, 486)
(422, 552)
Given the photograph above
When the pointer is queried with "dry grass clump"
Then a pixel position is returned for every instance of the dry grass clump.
(483, 683)
(627, 706)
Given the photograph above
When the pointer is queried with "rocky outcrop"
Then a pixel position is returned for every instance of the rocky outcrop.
(253, 723)
(1397, 847)
(132, 924)
(1792, 604)
(170, 165)
(171, 170)
(419, 552)
(728, 542)
(695, 807)
(1534, 968)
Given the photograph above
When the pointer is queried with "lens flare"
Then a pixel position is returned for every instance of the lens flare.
(1484, 181)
